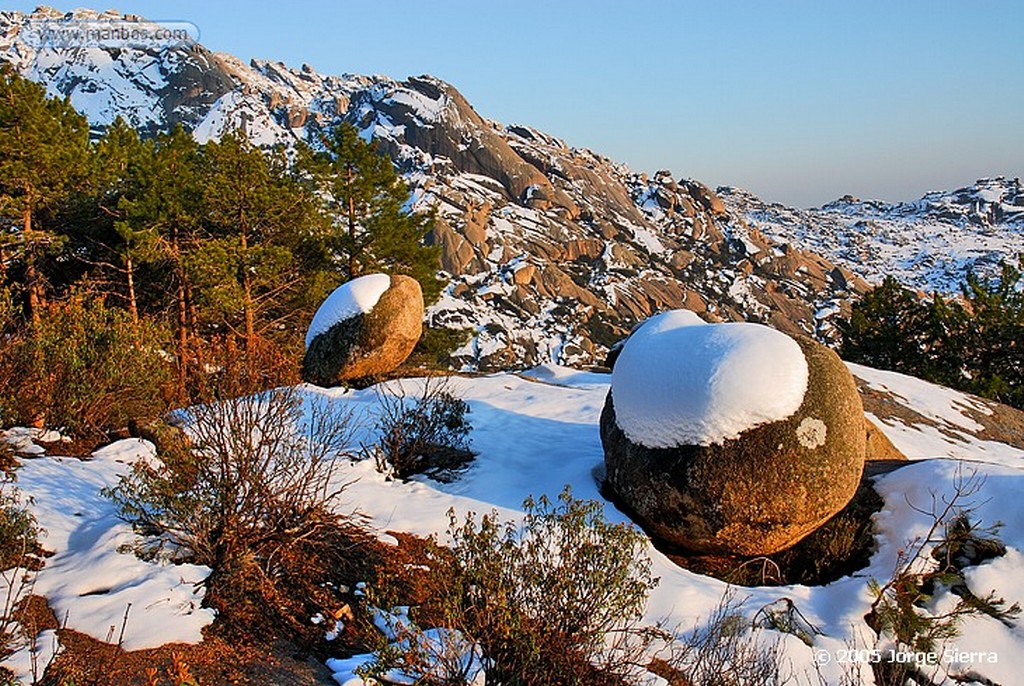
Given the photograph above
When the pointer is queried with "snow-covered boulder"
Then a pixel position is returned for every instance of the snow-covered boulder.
(730, 438)
(367, 326)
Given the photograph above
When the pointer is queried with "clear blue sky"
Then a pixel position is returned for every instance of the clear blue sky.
(800, 102)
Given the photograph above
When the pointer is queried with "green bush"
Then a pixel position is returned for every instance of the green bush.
(86, 369)
(435, 347)
(556, 600)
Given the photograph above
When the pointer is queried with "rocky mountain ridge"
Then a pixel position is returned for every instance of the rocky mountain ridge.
(928, 244)
(552, 253)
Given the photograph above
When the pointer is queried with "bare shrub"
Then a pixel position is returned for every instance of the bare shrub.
(249, 490)
(425, 434)
(229, 370)
(926, 566)
(555, 600)
(723, 651)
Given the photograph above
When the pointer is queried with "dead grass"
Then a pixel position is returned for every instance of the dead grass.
(88, 662)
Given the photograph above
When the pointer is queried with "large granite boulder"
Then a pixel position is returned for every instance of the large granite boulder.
(730, 438)
(367, 326)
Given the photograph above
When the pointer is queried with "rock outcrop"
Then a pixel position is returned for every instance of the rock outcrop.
(877, 445)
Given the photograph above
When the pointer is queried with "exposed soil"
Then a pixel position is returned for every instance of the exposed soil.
(88, 662)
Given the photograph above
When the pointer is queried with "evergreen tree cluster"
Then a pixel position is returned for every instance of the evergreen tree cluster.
(216, 240)
(972, 343)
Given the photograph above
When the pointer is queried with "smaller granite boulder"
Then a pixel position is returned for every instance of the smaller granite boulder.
(878, 445)
(730, 438)
(367, 326)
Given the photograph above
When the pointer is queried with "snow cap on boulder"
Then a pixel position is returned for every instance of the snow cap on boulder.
(351, 298)
(679, 381)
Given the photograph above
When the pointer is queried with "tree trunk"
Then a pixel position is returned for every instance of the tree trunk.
(182, 338)
(248, 305)
(31, 273)
(353, 264)
(133, 305)
(181, 302)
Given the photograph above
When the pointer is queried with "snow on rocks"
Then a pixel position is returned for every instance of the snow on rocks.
(730, 438)
(924, 420)
(366, 327)
(679, 381)
(352, 298)
(553, 414)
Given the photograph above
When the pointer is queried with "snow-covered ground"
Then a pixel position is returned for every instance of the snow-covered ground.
(91, 582)
(535, 433)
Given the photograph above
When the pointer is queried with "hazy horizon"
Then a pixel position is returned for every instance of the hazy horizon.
(798, 102)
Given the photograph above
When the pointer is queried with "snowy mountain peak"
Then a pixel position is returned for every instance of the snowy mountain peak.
(985, 203)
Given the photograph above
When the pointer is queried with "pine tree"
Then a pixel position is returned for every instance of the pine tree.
(943, 331)
(368, 204)
(118, 239)
(255, 216)
(884, 329)
(992, 342)
(167, 211)
(44, 148)
(973, 344)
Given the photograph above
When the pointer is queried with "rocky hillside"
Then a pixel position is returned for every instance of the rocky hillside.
(929, 244)
(552, 252)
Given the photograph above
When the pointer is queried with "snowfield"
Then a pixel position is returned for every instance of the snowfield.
(535, 433)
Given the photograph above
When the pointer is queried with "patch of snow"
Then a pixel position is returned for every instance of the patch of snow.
(22, 439)
(28, 662)
(679, 381)
(950, 431)
(557, 442)
(942, 404)
(92, 579)
(352, 298)
(427, 109)
(566, 376)
(450, 655)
